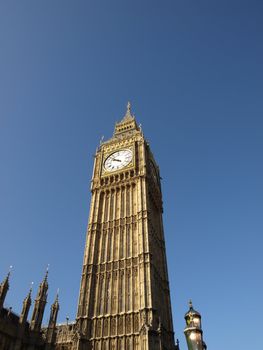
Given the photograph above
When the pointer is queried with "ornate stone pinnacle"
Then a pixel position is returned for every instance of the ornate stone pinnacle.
(9, 272)
(47, 271)
(56, 299)
(128, 108)
(28, 297)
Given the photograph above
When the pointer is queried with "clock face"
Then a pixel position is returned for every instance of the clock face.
(118, 160)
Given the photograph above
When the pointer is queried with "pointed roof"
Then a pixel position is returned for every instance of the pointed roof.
(56, 303)
(127, 124)
(27, 301)
(191, 312)
(54, 312)
(44, 283)
(5, 283)
(43, 287)
(6, 280)
(128, 116)
(28, 297)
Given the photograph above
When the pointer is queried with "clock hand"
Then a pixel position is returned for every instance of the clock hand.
(116, 160)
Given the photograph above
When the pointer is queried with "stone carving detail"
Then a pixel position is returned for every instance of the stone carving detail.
(136, 343)
(128, 324)
(113, 341)
(105, 328)
(92, 328)
(113, 326)
(143, 317)
(120, 328)
(136, 323)
(98, 333)
(104, 345)
(84, 326)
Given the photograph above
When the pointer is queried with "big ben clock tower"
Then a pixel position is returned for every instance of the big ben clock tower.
(124, 301)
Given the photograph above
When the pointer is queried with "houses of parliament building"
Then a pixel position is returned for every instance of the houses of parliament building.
(124, 299)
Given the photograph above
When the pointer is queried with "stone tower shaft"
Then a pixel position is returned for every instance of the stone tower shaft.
(124, 300)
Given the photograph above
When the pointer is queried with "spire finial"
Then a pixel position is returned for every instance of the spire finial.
(6, 280)
(190, 304)
(128, 112)
(9, 271)
(28, 297)
(47, 270)
(56, 300)
(44, 282)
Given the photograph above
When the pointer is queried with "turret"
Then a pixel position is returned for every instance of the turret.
(53, 313)
(127, 124)
(50, 338)
(23, 320)
(4, 289)
(39, 306)
(193, 330)
(25, 308)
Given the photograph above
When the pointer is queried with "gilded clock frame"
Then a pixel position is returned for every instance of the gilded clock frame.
(104, 172)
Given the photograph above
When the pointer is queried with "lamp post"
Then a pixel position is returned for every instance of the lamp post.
(193, 330)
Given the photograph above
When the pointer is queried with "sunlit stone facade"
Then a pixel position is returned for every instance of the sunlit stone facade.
(124, 300)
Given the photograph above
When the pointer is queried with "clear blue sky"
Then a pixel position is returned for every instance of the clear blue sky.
(193, 72)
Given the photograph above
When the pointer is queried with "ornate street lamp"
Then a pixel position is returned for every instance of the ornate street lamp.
(193, 330)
